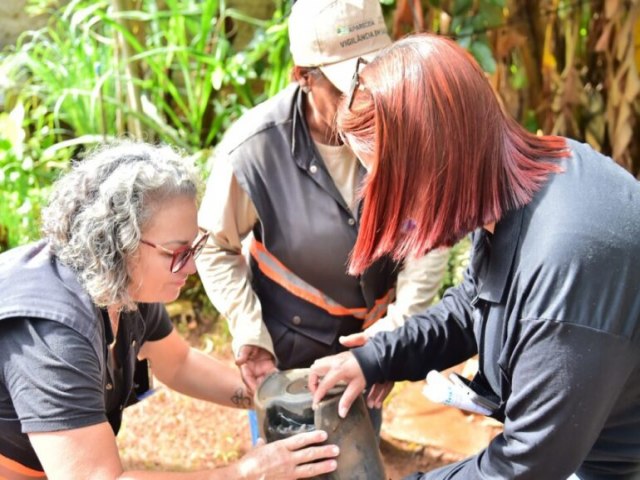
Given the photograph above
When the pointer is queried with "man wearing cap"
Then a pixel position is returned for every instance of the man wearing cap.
(282, 175)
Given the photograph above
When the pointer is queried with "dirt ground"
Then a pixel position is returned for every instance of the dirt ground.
(171, 432)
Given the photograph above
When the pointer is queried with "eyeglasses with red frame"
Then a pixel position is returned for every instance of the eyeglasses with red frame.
(180, 256)
(355, 81)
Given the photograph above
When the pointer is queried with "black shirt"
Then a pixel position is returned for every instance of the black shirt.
(551, 303)
(54, 371)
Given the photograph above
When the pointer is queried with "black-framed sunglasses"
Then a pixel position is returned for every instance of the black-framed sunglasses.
(355, 81)
(180, 256)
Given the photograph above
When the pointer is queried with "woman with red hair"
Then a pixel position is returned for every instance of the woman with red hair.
(550, 299)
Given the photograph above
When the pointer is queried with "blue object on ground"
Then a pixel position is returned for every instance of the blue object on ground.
(253, 424)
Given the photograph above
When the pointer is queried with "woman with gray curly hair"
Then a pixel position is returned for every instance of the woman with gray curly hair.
(82, 313)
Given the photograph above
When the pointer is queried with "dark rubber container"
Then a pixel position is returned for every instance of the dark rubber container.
(283, 405)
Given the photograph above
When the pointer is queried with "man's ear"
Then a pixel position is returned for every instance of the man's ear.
(301, 75)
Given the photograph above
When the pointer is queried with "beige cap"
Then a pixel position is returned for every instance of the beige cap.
(332, 34)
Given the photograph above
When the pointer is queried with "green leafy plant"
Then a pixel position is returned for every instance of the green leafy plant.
(469, 22)
(456, 265)
(101, 69)
(26, 173)
(169, 74)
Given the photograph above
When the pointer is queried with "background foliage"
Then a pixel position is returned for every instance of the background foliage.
(180, 71)
(565, 67)
(160, 71)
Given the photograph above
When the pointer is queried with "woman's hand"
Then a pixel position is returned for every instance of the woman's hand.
(326, 372)
(298, 456)
(379, 391)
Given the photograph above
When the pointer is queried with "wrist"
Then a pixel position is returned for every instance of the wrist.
(368, 363)
(227, 472)
(243, 469)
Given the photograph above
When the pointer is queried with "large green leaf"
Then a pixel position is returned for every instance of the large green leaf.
(482, 53)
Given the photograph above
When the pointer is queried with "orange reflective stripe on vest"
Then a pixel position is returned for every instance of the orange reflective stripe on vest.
(277, 272)
(12, 470)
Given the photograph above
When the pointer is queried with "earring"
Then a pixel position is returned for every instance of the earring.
(305, 88)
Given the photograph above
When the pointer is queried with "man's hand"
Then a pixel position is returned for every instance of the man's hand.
(255, 364)
(354, 340)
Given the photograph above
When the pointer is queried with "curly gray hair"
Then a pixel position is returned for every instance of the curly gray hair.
(97, 211)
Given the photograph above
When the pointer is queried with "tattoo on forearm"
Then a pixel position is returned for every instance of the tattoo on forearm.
(241, 399)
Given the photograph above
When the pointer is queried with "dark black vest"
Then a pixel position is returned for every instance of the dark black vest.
(306, 224)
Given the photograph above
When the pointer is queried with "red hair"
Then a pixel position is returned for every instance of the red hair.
(445, 159)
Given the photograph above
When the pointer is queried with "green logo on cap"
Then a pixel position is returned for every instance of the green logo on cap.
(342, 30)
